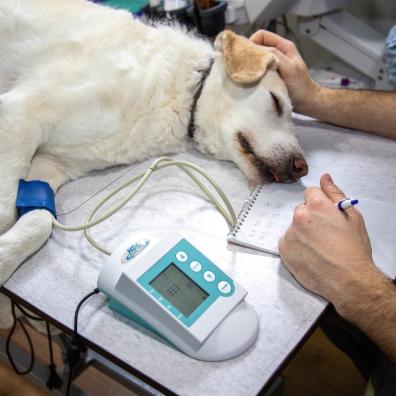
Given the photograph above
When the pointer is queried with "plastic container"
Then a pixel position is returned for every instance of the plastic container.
(212, 20)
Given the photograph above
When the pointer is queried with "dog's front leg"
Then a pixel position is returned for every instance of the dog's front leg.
(30, 232)
(20, 137)
(14, 163)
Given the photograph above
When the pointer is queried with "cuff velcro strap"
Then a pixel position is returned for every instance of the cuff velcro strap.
(34, 194)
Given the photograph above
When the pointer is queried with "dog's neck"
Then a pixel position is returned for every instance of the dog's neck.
(204, 75)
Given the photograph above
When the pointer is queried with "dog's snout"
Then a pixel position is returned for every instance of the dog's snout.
(299, 167)
(290, 165)
(290, 169)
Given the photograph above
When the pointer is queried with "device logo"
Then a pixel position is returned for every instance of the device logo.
(134, 250)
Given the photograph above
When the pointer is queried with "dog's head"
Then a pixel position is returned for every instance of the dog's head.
(244, 113)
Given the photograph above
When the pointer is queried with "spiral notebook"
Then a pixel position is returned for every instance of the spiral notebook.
(266, 215)
(268, 212)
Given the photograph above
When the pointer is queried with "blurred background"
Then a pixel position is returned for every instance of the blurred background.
(346, 43)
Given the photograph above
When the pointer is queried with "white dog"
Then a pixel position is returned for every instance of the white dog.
(84, 87)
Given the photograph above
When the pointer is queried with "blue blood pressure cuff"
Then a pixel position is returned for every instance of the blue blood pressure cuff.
(34, 194)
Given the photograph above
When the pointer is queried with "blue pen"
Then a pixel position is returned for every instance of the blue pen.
(346, 203)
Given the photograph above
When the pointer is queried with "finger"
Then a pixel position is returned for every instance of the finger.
(334, 193)
(264, 37)
(283, 62)
(301, 216)
(280, 55)
(258, 37)
(330, 189)
(300, 206)
(314, 197)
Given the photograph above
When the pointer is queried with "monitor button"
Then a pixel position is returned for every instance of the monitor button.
(224, 287)
(182, 256)
(209, 276)
(196, 266)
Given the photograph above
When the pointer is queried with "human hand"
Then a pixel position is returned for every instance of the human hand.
(292, 68)
(328, 251)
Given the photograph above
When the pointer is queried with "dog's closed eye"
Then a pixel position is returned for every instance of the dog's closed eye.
(258, 163)
(278, 105)
(244, 143)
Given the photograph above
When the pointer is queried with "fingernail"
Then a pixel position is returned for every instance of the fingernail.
(329, 179)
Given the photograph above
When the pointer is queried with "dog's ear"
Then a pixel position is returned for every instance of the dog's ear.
(245, 62)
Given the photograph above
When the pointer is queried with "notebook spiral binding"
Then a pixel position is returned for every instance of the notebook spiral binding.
(247, 206)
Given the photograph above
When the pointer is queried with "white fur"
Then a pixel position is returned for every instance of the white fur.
(84, 87)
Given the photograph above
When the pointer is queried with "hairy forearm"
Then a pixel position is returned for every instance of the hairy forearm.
(371, 306)
(369, 111)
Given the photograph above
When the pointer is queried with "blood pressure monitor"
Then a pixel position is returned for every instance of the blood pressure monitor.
(172, 288)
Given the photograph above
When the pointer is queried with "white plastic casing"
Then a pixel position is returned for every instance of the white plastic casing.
(227, 327)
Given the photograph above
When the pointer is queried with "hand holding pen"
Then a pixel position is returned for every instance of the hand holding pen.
(325, 251)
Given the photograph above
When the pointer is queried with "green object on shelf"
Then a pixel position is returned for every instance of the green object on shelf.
(131, 5)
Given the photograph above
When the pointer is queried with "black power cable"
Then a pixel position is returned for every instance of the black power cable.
(54, 381)
(8, 342)
(76, 346)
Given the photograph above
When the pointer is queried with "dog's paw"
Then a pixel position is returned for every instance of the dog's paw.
(22, 240)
